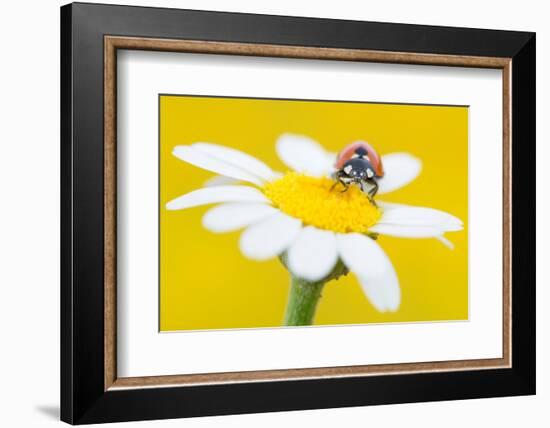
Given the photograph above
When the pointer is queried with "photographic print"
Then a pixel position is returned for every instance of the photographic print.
(324, 203)
(282, 212)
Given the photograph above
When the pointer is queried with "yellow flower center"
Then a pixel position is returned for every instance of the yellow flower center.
(316, 203)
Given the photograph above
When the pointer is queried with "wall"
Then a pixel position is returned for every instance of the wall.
(29, 242)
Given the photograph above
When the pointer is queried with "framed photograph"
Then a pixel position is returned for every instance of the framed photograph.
(265, 213)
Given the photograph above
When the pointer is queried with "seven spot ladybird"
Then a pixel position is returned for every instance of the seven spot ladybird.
(359, 163)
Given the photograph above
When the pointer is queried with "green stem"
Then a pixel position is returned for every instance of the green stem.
(302, 301)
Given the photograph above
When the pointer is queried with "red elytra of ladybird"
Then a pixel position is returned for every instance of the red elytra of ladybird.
(349, 151)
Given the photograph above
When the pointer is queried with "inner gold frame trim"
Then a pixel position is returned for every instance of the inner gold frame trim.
(113, 43)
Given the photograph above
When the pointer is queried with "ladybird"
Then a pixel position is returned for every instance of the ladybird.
(359, 163)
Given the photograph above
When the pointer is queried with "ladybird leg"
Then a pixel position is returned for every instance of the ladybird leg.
(342, 182)
(372, 192)
(337, 176)
(375, 188)
(337, 181)
(346, 186)
(371, 199)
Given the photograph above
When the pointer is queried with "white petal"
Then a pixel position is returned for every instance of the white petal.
(229, 217)
(445, 242)
(220, 180)
(313, 255)
(330, 159)
(203, 160)
(400, 231)
(237, 158)
(362, 255)
(302, 154)
(383, 291)
(270, 237)
(212, 195)
(407, 215)
(399, 170)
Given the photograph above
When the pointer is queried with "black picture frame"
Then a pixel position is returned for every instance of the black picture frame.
(83, 396)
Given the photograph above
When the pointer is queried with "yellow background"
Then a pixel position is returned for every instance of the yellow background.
(205, 282)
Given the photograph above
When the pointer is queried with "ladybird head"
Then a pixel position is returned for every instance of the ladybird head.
(358, 169)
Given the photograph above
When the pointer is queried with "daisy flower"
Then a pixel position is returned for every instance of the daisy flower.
(318, 232)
